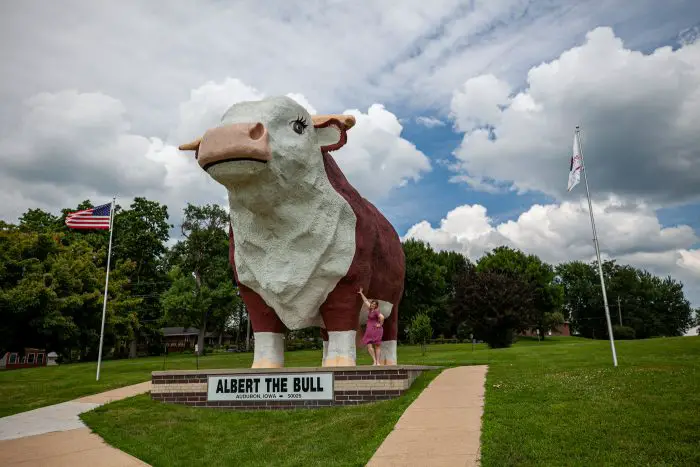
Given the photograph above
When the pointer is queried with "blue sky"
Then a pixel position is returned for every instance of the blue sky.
(432, 196)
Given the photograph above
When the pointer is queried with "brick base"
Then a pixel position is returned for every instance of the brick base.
(351, 386)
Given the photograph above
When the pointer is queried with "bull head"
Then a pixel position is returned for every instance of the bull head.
(348, 121)
(269, 145)
(249, 141)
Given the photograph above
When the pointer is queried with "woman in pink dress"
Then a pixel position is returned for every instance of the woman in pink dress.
(373, 334)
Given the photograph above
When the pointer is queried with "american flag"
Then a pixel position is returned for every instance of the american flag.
(93, 218)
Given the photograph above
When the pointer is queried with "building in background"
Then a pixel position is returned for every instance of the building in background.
(178, 339)
(560, 330)
(29, 359)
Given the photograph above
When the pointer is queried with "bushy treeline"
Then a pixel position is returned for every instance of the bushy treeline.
(52, 281)
(52, 285)
(507, 292)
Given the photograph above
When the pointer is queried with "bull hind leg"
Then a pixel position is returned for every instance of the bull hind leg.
(391, 331)
(324, 336)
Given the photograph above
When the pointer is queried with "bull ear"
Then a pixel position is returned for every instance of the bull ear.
(331, 130)
(348, 121)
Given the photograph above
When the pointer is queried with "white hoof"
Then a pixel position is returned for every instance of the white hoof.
(269, 350)
(340, 350)
(388, 353)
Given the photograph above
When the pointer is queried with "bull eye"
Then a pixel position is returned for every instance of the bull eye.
(299, 125)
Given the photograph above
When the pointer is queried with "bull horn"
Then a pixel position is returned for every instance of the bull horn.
(347, 120)
(192, 146)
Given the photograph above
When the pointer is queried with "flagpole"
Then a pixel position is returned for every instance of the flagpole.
(104, 303)
(597, 249)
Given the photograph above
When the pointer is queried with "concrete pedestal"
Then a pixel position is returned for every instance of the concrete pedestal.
(283, 388)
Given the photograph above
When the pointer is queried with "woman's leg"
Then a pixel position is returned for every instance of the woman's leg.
(370, 349)
(378, 354)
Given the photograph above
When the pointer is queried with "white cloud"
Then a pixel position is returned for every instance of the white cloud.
(303, 102)
(478, 102)
(337, 54)
(637, 114)
(69, 146)
(429, 122)
(207, 104)
(562, 232)
(376, 157)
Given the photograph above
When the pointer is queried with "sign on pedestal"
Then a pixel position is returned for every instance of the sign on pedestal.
(282, 387)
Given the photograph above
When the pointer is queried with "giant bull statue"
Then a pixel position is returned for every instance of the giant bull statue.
(303, 240)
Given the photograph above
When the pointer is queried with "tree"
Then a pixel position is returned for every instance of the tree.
(25, 298)
(495, 304)
(51, 294)
(582, 302)
(424, 282)
(452, 265)
(549, 295)
(39, 221)
(141, 233)
(123, 319)
(203, 253)
(651, 306)
(665, 310)
(53, 280)
(420, 330)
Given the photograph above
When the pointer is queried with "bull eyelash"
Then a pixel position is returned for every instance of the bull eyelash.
(302, 121)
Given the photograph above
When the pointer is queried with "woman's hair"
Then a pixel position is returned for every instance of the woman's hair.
(374, 303)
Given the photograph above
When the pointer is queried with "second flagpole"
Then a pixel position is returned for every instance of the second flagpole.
(104, 304)
(597, 249)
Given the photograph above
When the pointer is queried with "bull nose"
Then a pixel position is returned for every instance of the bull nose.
(257, 131)
(235, 141)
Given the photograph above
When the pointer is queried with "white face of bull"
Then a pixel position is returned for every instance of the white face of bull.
(266, 146)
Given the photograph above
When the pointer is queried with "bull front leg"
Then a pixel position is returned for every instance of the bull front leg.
(341, 319)
(341, 349)
(268, 331)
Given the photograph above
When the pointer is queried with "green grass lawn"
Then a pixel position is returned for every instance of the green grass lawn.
(31, 388)
(27, 389)
(555, 403)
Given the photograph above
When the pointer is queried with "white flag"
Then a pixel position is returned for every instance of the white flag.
(576, 165)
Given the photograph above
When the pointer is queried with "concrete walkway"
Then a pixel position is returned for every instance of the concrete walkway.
(443, 425)
(55, 435)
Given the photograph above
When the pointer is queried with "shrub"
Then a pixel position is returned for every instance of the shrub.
(420, 331)
(464, 332)
(303, 344)
(623, 332)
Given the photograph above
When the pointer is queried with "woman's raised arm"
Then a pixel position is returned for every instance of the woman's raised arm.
(364, 299)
